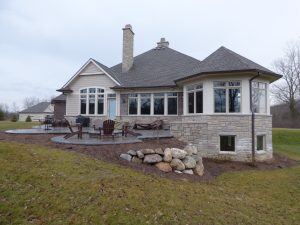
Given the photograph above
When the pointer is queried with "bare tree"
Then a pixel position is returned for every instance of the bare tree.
(30, 101)
(288, 89)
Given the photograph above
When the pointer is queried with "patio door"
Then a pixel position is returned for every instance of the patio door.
(112, 106)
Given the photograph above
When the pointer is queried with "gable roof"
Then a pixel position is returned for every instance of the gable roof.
(38, 108)
(225, 60)
(102, 67)
(157, 67)
(59, 98)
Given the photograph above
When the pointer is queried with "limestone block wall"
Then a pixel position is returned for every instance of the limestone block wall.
(204, 131)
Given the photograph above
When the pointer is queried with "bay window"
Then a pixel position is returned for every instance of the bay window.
(159, 103)
(227, 96)
(195, 98)
(259, 97)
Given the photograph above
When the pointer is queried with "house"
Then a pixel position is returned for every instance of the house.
(37, 112)
(207, 103)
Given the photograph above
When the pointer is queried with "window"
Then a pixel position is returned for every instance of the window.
(92, 101)
(259, 97)
(227, 143)
(132, 104)
(227, 96)
(260, 142)
(159, 103)
(145, 104)
(195, 98)
(172, 103)
(100, 103)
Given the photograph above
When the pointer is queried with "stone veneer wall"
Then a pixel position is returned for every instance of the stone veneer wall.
(204, 131)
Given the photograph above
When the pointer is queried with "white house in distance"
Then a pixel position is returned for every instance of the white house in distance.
(220, 104)
(37, 112)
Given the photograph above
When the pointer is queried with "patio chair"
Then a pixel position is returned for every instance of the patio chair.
(156, 125)
(107, 129)
(78, 132)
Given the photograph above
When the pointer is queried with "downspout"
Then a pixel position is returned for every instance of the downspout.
(252, 119)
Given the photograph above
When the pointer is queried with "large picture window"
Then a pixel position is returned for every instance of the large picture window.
(133, 104)
(172, 103)
(159, 103)
(195, 98)
(227, 96)
(145, 104)
(92, 101)
(259, 97)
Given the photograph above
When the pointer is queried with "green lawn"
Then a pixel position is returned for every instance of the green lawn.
(7, 125)
(48, 186)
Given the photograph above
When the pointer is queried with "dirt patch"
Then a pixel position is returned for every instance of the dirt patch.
(110, 153)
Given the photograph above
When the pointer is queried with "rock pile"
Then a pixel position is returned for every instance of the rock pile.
(185, 160)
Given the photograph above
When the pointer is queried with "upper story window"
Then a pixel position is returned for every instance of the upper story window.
(91, 101)
(259, 97)
(195, 98)
(227, 96)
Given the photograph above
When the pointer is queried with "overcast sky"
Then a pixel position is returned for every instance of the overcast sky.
(43, 43)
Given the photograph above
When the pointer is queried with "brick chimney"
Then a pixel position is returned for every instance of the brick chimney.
(163, 43)
(127, 58)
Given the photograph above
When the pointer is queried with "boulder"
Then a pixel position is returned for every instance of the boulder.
(177, 164)
(178, 153)
(147, 151)
(159, 151)
(167, 155)
(189, 162)
(136, 159)
(177, 171)
(152, 158)
(196, 157)
(199, 169)
(190, 149)
(164, 166)
(188, 172)
(131, 152)
(140, 154)
(126, 157)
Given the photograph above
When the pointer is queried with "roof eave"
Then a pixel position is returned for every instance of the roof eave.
(144, 87)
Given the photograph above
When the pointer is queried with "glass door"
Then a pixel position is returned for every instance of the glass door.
(112, 106)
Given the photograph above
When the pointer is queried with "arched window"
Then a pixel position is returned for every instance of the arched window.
(92, 101)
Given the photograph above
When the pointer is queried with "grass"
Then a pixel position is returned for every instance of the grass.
(48, 186)
(7, 125)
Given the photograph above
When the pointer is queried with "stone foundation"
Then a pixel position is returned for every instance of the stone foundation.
(204, 131)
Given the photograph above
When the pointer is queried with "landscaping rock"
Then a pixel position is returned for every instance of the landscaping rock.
(126, 157)
(131, 152)
(148, 151)
(199, 169)
(196, 157)
(167, 155)
(136, 159)
(188, 172)
(177, 171)
(164, 166)
(177, 164)
(190, 149)
(152, 158)
(159, 151)
(140, 154)
(178, 153)
(189, 162)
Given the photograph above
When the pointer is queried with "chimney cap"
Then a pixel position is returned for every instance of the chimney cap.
(162, 43)
(129, 27)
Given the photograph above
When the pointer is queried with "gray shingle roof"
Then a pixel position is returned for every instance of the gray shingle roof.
(224, 59)
(164, 66)
(38, 108)
(156, 67)
(61, 97)
(108, 70)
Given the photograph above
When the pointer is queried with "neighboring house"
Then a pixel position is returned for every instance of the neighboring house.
(59, 104)
(37, 112)
(206, 103)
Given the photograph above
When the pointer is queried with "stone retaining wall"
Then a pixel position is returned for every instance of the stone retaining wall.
(204, 131)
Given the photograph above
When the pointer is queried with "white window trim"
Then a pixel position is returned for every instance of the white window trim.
(227, 97)
(266, 96)
(264, 143)
(96, 101)
(187, 98)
